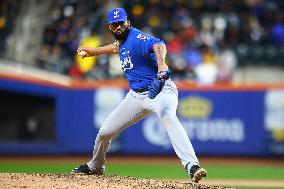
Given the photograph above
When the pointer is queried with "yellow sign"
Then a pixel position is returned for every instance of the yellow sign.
(195, 107)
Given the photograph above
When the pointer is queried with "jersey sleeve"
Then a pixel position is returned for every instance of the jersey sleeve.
(147, 42)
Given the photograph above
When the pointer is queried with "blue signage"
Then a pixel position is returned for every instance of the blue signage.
(218, 122)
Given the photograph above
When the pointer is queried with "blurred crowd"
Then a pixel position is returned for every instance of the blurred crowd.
(206, 39)
(8, 10)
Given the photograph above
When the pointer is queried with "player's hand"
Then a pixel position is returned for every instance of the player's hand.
(83, 52)
(155, 88)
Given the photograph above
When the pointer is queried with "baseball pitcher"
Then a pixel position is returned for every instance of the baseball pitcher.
(142, 58)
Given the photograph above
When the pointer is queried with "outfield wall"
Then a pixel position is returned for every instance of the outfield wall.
(40, 116)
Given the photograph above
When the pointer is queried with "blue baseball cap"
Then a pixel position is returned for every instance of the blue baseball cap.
(116, 15)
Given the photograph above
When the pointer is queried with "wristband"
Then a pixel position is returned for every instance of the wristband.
(164, 75)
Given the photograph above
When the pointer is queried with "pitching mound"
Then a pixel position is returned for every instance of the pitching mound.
(47, 181)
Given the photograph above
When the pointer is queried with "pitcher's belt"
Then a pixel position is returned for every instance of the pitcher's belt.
(140, 90)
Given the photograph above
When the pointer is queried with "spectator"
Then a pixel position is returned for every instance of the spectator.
(8, 10)
(277, 30)
(206, 71)
(226, 64)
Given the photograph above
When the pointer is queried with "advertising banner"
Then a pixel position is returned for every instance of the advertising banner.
(66, 120)
(274, 121)
(219, 122)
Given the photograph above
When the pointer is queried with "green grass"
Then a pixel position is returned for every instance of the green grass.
(214, 172)
(258, 187)
(157, 171)
(263, 172)
(28, 167)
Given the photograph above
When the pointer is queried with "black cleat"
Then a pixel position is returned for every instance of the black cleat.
(84, 169)
(197, 173)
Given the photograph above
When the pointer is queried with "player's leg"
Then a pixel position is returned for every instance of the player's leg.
(180, 140)
(127, 113)
(165, 105)
(110, 129)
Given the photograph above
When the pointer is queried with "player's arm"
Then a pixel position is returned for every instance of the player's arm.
(163, 74)
(85, 51)
(160, 51)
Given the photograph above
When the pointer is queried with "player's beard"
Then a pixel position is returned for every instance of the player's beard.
(121, 36)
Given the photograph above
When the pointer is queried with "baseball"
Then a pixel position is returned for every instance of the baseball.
(82, 53)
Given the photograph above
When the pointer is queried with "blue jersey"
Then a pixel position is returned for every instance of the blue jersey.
(138, 60)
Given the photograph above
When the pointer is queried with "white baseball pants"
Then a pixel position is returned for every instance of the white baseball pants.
(135, 107)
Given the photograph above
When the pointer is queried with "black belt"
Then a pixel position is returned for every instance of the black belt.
(141, 90)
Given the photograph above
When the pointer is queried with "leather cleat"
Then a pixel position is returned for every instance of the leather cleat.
(84, 169)
(197, 173)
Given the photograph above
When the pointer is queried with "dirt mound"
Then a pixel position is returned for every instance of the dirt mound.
(47, 181)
